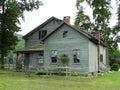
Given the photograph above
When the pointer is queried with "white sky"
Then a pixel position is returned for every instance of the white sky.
(57, 8)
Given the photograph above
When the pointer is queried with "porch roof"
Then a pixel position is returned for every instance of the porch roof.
(36, 47)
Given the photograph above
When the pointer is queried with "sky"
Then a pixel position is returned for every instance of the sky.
(56, 8)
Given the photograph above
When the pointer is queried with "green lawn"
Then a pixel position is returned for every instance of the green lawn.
(18, 81)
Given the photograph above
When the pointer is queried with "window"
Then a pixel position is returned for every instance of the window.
(42, 33)
(53, 56)
(101, 57)
(76, 56)
(65, 34)
(40, 58)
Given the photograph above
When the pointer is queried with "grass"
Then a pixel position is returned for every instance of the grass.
(18, 81)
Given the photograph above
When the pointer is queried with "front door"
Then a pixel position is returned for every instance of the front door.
(27, 59)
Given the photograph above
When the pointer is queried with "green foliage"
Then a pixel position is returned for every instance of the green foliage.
(83, 20)
(64, 58)
(115, 67)
(78, 3)
(10, 12)
(40, 71)
(20, 44)
(101, 17)
(116, 28)
(78, 74)
(114, 57)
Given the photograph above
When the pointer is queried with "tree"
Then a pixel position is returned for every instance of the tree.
(115, 57)
(116, 28)
(82, 19)
(10, 12)
(11, 54)
(101, 18)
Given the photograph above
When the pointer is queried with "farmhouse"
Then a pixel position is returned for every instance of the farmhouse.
(54, 37)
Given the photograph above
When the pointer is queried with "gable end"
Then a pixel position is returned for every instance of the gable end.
(40, 26)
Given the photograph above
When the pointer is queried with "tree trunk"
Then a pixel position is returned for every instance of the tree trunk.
(2, 29)
(2, 61)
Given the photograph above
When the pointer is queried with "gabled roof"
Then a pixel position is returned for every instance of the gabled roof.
(40, 26)
(89, 36)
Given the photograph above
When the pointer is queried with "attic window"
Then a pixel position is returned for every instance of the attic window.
(42, 34)
(65, 34)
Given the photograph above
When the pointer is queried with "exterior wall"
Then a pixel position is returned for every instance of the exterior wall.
(93, 57)
(32, 59)
(75, 40)
(34, 38)
(103, 64)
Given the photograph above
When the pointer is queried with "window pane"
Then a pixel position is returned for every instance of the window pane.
(101, 57)
(54, 59)
(76, 56)
(40, 59)
(65, 34)
(42, 33)
(54, 53)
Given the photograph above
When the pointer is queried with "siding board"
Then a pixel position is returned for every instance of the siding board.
(67, 45)
(34, 38)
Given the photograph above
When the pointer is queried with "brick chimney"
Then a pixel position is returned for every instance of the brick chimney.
(66, 19)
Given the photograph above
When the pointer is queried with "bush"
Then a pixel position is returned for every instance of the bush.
(64, 58)
(115, 67)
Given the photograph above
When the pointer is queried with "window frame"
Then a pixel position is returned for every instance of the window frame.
(54, 54)
(101, 57)
(65, 34)
(40, 58)
(41, 35)
(76, 58)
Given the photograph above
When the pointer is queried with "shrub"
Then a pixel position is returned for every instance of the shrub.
(115, 67)
(41, 71)
(64, 58)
